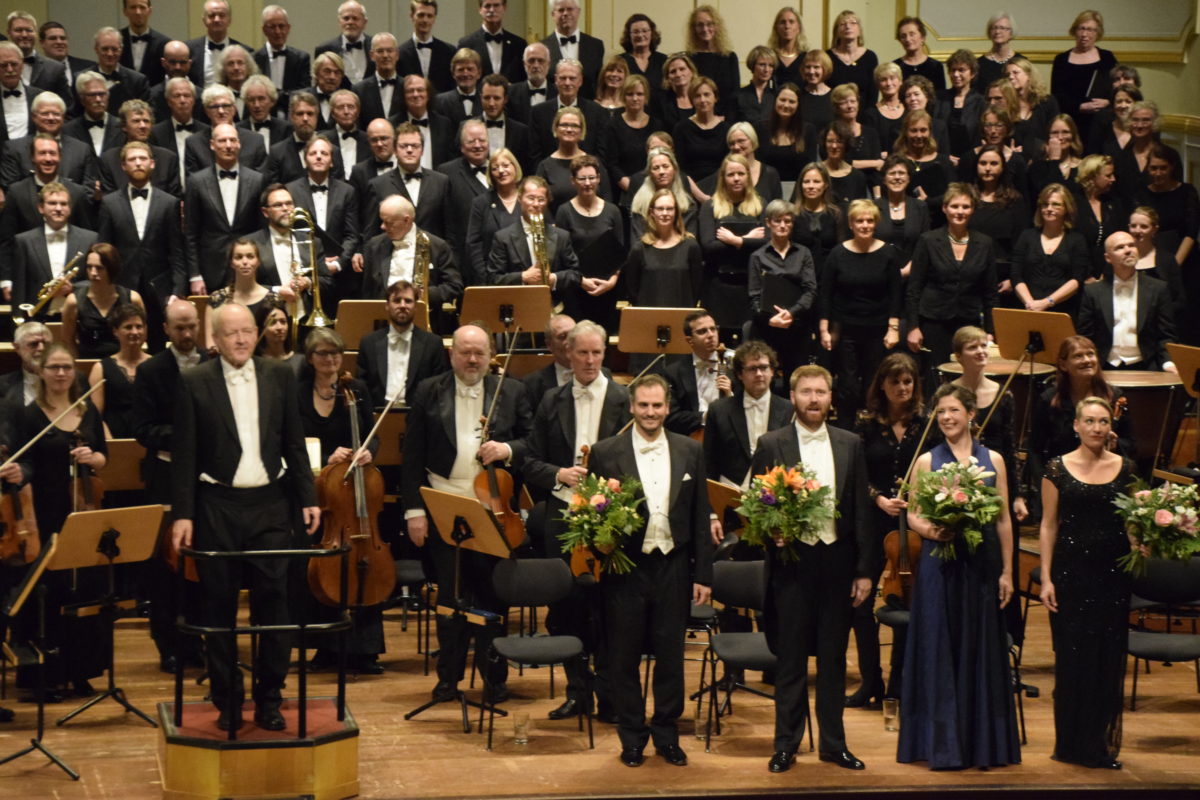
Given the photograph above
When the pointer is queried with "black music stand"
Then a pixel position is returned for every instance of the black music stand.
(34, 652)
(653, 330)
(507, 308)
(463, 523)
(1187, 364)
(1033, 336)
(108, 537)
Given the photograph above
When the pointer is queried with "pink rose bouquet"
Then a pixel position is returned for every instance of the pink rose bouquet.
(1161, 523)
(957, 497)
(601, 514)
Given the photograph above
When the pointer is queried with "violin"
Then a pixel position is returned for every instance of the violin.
(900, 548)
(584, 561)
(20, 542)
(351, 496)
(494, 485)
(87, 491)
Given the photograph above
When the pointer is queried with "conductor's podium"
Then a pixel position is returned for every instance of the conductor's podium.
(198, 762)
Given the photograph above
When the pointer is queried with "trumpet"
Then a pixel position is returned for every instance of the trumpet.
(541, 255)
(48, 291)
(317, 318)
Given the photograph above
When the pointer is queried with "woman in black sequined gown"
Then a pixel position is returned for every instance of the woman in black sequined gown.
(1085, 591)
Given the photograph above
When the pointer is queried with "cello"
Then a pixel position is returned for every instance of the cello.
(20, 542)
(351, 496)
(494, 485)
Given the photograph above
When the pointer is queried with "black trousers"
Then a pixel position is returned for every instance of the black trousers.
(856, 356)
(244, 519)
(812, 604)
(650, 604)
(475, 591)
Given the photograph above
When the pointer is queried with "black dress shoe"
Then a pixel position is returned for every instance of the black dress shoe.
(781, 761)
(368, 665)
(632, 757)
(268, 718)
(444, 691)
(6, 714)
(605, 714)
(498, 693)
(569, 708)
(1110, 763)
(223, 720)
(168, 664)
(673, 754)
(844, 759)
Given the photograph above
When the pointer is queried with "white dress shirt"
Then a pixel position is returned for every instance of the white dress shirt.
(355, 59)
(320, 202)
(56, 248)
(654, 469)
(495, 137)
(495, 50)
(413, 187)
(589, 406)
(1125, 348)
(816, 454)
(141, 208)
(283, 248)
(706, 382)
(97, 134)
(16, 114)
(210, 75)
(229, 193)
(568, 50)
(561, 374)
(468, 408)
(424, 54)
(180, 146)
(137, 51)
(29, 386)
(242, 384)
(403, 257)
(399, 349)
(349, 148)
(426, 142)
(278, 65)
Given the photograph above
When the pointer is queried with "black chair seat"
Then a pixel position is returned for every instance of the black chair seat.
(409, 572)
(1164, 647)
(892, 617)
(538, 650)
(744, 651)
(1035, 575)
(701, 615)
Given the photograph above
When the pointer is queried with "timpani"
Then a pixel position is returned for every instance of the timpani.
(1154, 412)
(999, 369)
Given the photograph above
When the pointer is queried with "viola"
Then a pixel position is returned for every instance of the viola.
(19, 539)
(494, 485)
(87, 491)
(351, 496)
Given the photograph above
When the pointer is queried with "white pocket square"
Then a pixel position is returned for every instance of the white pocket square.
(687, 476)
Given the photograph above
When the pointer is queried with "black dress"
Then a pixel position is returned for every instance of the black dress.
(667, 277)
(725, 72)
(557, 172)
(819, 231)
(902, 233)
(700, 150)
(1042, 272)
(786, 158)
(118, 399)
(654, 67)
(225, 294)
(816, 109)
(1004, 224)
(860, 72)
(627, 151)
(584, 232)
(1074, 84)
(726, 295)
(1052, 431)
(749, 107)
(93, 330)
(1090, 630)
(930, 68)
(851, 186)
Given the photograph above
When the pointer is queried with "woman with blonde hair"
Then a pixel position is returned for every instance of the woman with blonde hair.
(493, 210)
(1100, 209)
(709, 46)
(852, 61)
(815, 102)
(1080, 78)
(789, 44)
(753, 101)
(887, 112)
(665, 266)
(863, 150)
(1060, 161)
(1050, 261)
(742, 140)
(662, 172)
(1035, 105)
(612, 79)
(731, 228)
(932, 170)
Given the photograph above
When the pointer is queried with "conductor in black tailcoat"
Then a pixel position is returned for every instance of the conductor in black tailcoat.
(672, 569)
(231, 493)
(808, 603)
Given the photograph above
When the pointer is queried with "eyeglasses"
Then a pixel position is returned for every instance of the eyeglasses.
(327, 353)
(217, 106)
(757, 368)
(58, 367)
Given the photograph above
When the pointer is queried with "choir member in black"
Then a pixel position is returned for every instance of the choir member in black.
(1036, 107)
(743, 141)
(1080, 78)
(1000, 30)
(809, 601)
(1002, 213)
(1086, 591)
(932, 170)
(788, 43)
(815, 103)
(639, 41)
(243, 286)
(1176, 202)
(902, 217)
(1110, 129)
(1079, 375)
(82, 649)
(1002, 96)
(630, 130)
(673, 104)
(786, 140)
(612, 78)
(787, 328)
(495, 209)
(662, 172)
(570, 130)
(1050, 261)
(115, 399)
(852, 61)
(1060, 161)
(849, 183)
(708, 45)
(911, 33)
(753, 102)
(890, 426)
(960, 105)
(325, 415)
(888, 110)
(443, 449)
(665, 266)
(918, 93)
(556, 373)
(995, 130)
(953, 280)
(818, 219)
(863, 150)
(700, 138)
(1133, 160)
(671, 550)
(87, 312)
(730, 230)
(734, 423)
(859, 306)
(589, 218)
(275, 336)
(1100, 211)
(1158, 262)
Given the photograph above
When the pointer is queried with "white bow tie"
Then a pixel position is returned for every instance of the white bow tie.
(468, 391)
(396, 337)
(56, 236)
(761, 403)
(399, 244)
(242, 374)
(654, 448)
(582, 392)
(807, 437)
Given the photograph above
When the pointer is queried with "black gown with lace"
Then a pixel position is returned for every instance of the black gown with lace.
(1090, 629)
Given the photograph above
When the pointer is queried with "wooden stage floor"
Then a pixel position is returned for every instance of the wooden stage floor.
(431, 757)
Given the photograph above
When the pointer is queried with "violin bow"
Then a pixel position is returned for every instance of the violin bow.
(53, 422)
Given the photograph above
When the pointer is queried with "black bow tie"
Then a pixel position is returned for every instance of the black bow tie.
(354, 45)
(481, 169)
(135, 38)
(498, 38)
(278, 53)
(387, 82)
(93, 123)
(190, 127)
(30, 59)
(494, 123)
(565, 40)
(541, 91)
(258, 126)
(312, 187)
(412, 176)
(383, 165)
(424, 45)
(346, 136)
(12, 92)
(323, 97)
(134, 194)
(231, 174)
(422, 122)
(215, 46)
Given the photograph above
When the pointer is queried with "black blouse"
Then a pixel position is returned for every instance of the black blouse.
(748, 107)
(47, 463)
(699, 150)
(861, 288)
(930, 68)
(861, 73)
(627, 152)
(943, 288)
(797, 267)
(334, 430)
(820, 232)
(903, 233)
(1043, 272)
(724, 70)
(666, 277)
(785, 158)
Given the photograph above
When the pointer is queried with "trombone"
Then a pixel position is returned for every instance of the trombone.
(317, 318)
